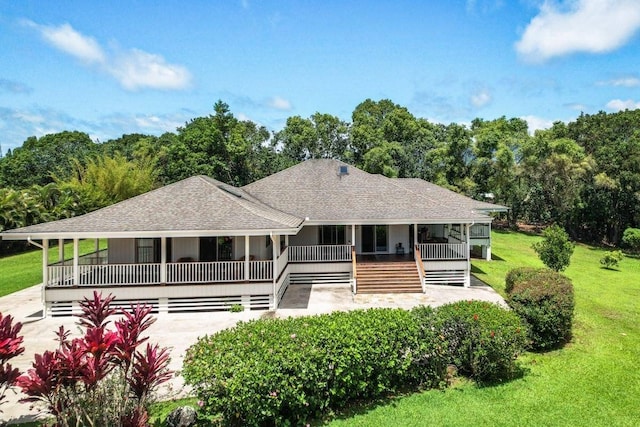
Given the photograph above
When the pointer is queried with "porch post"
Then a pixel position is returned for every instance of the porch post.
(353, 235)
(415, 235)
(163, 260)
(274, 256)
(45, 274)
(467, 279)
(60, 250)
(45, 262)
(76, 270)
(488, 258)
(247, 254)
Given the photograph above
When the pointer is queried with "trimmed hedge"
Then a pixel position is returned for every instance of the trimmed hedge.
(289, 371)
(545, 301)
(483, 339)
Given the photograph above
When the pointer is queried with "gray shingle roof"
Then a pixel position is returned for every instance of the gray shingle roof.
(198, 203)
(447, 196)
(315, 189)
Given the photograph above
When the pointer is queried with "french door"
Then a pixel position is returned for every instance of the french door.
(375, 238)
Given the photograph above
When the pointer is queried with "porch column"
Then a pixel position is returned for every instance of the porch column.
(45, 262)
(247, 255)
(415, 235)
(274, 258)
(488, 255)
(286, 241)
(60, 250)
(163, 260)
(76, 256)
(97, 246)
(45, 274)
(353, 235)
(467, 279)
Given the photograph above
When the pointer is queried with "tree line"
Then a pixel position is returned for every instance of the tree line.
(583, 175)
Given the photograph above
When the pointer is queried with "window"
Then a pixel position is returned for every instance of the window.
(147, 251)
(331, 235)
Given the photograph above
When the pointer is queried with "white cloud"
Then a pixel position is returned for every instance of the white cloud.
(480, 98)
(137, 69)
(279, 103)
(593, 26)
(537, 123)
(628, 81)
(619, 105)
(68, 40)
(134, 69)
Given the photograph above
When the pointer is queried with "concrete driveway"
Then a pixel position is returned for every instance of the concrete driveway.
(179, 331)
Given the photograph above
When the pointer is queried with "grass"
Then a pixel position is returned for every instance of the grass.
(21, 271)
(594, 380)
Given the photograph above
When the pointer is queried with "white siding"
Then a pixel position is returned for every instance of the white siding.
(185, 247)
(307, 236)
(399, 234)
(121, 251)
(257, 247)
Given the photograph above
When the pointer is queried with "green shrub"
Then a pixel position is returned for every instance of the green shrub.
(611, 259)
(236, 308)
(483, 339)
(545, 302)
(555, 249)
(287, 371)
(631, 239)
(519, 274)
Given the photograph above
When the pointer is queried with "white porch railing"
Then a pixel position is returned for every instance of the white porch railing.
(60, 275)
(320, 253)
(480, 231)
(119, 274)
(443, 251)
(261, 270)
(149, 274)
(205, 272)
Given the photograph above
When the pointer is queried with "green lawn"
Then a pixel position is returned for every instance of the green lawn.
(18, 272)
(593, 381)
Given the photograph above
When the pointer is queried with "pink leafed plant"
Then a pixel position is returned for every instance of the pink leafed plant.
(100, 378)
(10, 347)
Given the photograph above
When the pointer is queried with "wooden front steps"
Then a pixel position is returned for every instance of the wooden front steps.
(387, 277)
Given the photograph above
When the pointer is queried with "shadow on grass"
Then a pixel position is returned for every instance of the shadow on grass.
(475, 269)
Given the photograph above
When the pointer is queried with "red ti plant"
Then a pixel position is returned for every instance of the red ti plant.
(101, 378)
(10, 347)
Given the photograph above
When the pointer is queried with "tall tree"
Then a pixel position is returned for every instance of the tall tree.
(320, 136)
(38, 158)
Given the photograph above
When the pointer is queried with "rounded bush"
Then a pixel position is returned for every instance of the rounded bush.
(631, 239)
(287, 371)
(483, 339)
(519, 274)
(545, 301)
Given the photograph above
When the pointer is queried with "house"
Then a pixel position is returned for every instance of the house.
(200, 244)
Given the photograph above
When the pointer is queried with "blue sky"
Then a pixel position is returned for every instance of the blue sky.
(110, 68)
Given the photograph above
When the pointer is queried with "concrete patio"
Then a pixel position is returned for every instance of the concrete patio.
(179, 331)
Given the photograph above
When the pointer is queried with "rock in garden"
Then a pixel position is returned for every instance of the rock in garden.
(184, 416)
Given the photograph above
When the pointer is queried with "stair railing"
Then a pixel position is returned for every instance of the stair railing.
(354, 273)
(420, 266)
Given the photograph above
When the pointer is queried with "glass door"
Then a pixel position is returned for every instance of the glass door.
(374, 239)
